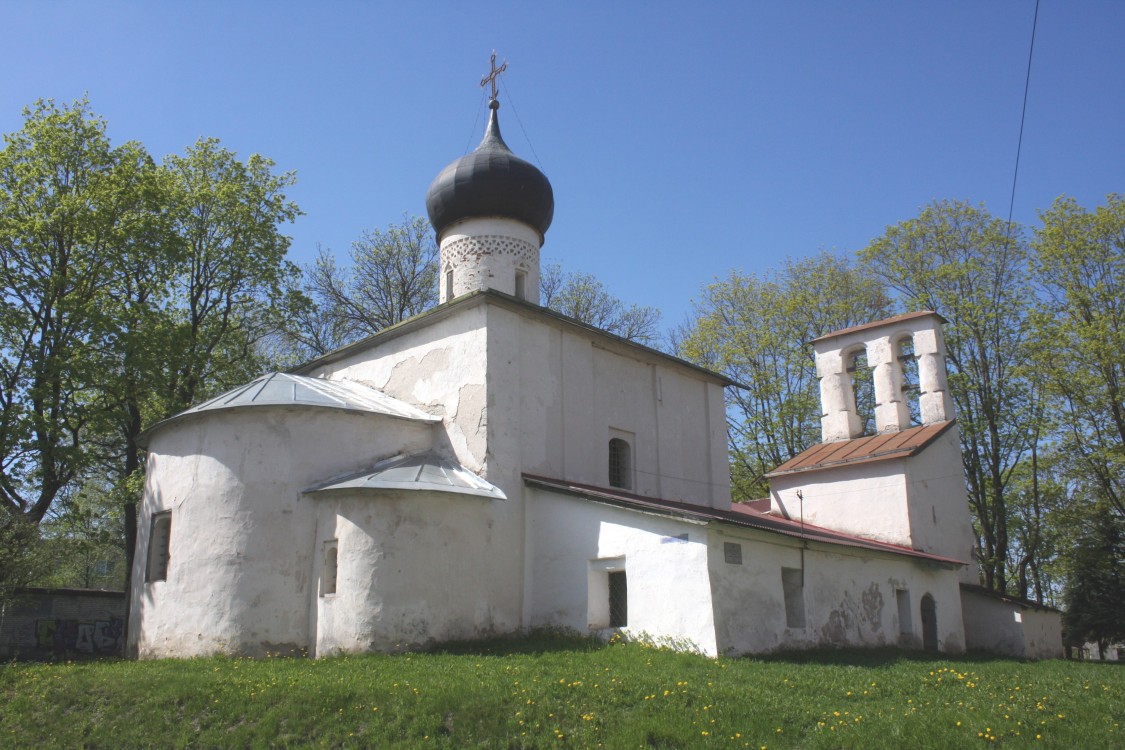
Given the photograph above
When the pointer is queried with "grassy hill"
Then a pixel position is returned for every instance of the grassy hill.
(561, 692)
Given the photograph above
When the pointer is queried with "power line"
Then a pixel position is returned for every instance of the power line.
(475, 121)
(517, 114)
(1023, 117)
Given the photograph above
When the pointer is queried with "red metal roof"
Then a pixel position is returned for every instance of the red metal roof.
(741, 514)
(883, 322)
(863, 450)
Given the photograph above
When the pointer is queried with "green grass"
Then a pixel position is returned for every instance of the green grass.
(560, 692)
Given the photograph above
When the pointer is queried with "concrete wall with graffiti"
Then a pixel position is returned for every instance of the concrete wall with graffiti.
(62, 623)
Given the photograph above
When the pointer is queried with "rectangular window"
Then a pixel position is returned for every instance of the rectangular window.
(448, 285)
(521, 284)
(159, 546)
(732, 553)
(620, 463)
(618, 599)
(905, 617)
(793, 583)
(329, 571)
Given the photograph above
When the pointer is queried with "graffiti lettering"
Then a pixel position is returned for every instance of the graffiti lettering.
(64, 636)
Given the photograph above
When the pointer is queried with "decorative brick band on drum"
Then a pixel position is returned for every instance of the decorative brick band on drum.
(471, 249)
(477, 261)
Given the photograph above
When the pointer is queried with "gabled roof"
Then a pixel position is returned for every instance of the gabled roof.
(739, 515)
(284, 389)
(880, 447)
(492, 296)
(423, 471)
(972, 588)
(880, 323)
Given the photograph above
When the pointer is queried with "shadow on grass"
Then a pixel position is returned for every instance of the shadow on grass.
(553, 640)
(876, 657)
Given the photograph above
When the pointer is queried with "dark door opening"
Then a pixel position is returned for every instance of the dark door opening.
(929, 624)
(618, 599)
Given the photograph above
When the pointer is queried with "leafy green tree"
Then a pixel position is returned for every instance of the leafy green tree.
(82, 539)
(1095, 592)
(68, 202)
(22, 553)
(755, 330)
(1041, 501)
(1080, 334)
(970, 267)
(131, 290)
(585, 298)
(189, 316)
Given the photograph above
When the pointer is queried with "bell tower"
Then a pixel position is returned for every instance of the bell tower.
(889, 346)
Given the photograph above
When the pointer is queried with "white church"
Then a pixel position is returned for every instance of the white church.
(491, 466)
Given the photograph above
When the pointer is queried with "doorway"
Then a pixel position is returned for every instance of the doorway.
(929, 624)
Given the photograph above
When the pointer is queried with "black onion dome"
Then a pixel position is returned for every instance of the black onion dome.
(491, 181)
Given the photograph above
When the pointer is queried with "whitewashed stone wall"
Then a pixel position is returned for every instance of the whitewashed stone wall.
(439, 368)
(558, 394)
(918, 502)
(849, 596)
(1011, 629)
(665, 561)
(412, 569)
(241, 552)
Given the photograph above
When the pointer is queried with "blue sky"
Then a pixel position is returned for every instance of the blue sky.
(682, 139)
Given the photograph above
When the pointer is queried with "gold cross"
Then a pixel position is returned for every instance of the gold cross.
(493, 74)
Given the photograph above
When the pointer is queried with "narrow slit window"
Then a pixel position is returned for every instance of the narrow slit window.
(620, 464)
(793, 585)
(521, 284)
(159, 547)
(329, 572)
(448, 285)
(905, 616)
(618, 599)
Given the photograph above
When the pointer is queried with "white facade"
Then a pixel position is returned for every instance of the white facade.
(492, 466)
(267, 554)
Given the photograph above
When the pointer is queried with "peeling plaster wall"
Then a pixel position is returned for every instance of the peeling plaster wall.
(449, 369)
(440, 368)
(849, 596)
(410, 571)
(242, 534)
(669, 593)
(1010, 629)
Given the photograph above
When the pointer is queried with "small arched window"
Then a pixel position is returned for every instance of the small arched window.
(329, 572)
(620, 464)
(159, 547)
